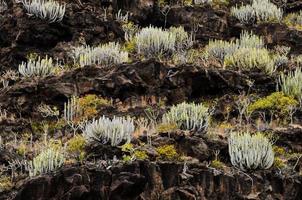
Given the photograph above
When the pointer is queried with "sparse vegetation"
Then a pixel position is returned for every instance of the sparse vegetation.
(107, 93)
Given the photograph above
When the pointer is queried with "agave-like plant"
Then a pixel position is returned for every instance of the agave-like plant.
(45, 9)
(250, 152)
(105, 130)
(40, 67)
(188, 116)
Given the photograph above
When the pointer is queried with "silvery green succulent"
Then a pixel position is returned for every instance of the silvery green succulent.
(47, 161)
(250, 152)
(188, 116)
(260, 10)
(40, 67)
(45, 9)
(106, 55)
(105, 130)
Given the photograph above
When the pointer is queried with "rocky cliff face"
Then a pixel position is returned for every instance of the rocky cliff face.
(92, 22)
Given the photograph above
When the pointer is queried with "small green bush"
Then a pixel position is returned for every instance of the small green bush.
(277, 102)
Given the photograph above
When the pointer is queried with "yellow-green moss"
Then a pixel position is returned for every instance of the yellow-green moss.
(140, 155)
(167, 152)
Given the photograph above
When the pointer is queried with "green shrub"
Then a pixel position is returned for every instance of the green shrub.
(250, 152)
(76, 147)
(277, 102)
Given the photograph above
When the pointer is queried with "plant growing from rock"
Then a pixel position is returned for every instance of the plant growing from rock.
(72, 113)
(220, 49)
(155, 42)
(250, 152)
(294, 20)
(167, 152)
(259, 10)
(291, 84)
(105, 55)
(251, 58)
(47, 161)
(40, 67)
(105, 130)
(199, 2)
(8, 76)
(277, 103)
(76, 147)
(45, 9)
(188, 116)
(134, 153)
(122, 18)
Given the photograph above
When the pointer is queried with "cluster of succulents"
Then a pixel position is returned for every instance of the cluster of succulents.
(188, 116)
(247, 53)
(45, 9)
(40, 67)
(250, 152)
(113, 131)
(258, 11)
(153, 41)
(104, 55)
(47, 161)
